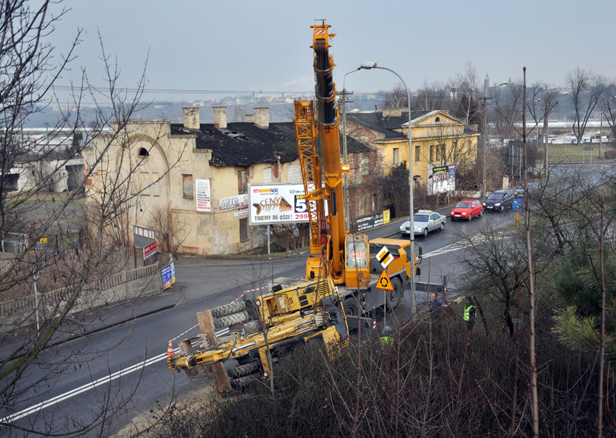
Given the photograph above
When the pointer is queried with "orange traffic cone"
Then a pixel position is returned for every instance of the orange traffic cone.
(170, 350)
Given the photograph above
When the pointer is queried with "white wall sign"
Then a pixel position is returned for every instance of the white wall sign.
(203, 196)
(233, 202)
(277, 204)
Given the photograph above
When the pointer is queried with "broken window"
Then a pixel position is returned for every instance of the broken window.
(242, 180)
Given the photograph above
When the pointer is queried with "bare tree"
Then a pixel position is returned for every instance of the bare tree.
(586, 89)
(464, 103)
(608, 106)
(397, 97)
(430, 97)
(67, 269)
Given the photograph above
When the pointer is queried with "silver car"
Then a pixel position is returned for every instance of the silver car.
(424, 222)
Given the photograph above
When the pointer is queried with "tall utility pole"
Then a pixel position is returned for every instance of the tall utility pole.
(345, 181)
(531, 282)
(485, 147)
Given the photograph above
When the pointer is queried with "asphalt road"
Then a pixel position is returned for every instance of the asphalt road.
(127, 363)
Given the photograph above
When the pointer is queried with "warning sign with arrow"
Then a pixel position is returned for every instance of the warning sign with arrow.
(384, 283)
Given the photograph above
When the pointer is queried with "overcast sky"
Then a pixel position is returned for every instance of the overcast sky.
(235, 46)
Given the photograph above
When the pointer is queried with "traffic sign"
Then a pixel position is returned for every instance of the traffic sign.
(517, 204)
(385, 257)
(384, 282)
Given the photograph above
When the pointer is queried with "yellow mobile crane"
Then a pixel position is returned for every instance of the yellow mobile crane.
(341, 274)
(349, 260)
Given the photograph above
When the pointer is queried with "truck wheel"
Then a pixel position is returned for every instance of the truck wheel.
(229, 320)
(351, 307)
(244, 370)
(228, 309)
(394, 296)
(243, 382)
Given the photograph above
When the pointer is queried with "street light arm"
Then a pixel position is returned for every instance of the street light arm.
(370, 66)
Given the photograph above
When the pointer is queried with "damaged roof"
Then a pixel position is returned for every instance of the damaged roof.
(384, 125)
(245, 144)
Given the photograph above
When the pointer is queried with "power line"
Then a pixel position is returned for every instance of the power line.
(179, 91)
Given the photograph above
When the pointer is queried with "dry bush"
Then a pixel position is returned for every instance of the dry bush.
(435, 380)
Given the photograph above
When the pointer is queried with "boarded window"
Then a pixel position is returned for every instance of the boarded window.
(156, 185)
(395, 155)
(187, 186)
(431, 154)
(267, 175)
(243, 230)
(417, 152)
(144, 184)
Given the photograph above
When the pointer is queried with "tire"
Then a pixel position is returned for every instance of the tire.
(351, 307)
(228, 309)
(470, 217)
(425, 232)
(442, 227)
(244, 370)
(229, 320)
(394, 296)
(502, 208)
(480, 212)
(242, 382)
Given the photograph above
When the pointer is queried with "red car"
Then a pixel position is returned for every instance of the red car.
(467, 209)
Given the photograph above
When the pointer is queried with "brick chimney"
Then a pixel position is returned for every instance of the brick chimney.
(220, 117)
(262, 117)
(393, 112)
(191, 118)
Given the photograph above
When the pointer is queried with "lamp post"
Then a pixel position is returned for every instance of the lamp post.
(370, 66)
(344, 151)
(35, 276)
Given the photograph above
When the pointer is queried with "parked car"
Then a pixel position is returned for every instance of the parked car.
(519, 191)
(498, 200)
(424, 222)
(467, 209)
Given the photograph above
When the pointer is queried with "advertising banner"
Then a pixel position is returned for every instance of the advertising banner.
(149, 250)
(367, 222)
(203, 196)
(168, 273)
(277, 204)
(441, 179)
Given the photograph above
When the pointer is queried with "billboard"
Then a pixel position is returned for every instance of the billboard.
(276, 204)
(441, 179)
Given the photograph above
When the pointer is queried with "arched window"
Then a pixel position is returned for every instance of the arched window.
(438, 119)
(143, 152)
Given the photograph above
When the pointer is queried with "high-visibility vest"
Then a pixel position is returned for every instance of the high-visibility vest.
(387, 340)
(467, 312)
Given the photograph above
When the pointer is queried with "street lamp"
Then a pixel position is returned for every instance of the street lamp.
(344, 151)
(35, 276)
(370, 66)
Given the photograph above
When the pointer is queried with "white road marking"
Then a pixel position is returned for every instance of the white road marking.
(87, 387)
